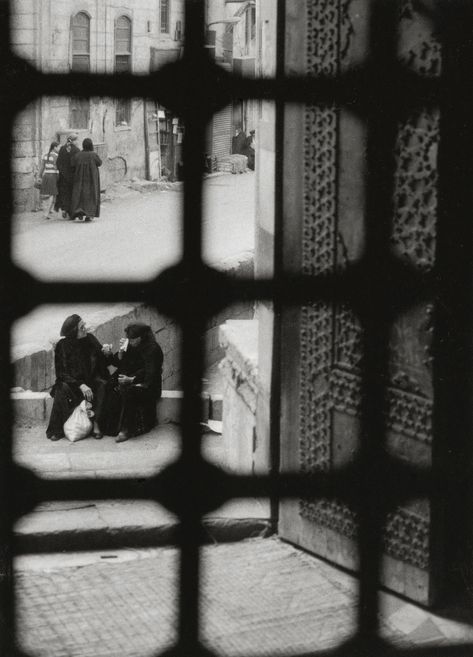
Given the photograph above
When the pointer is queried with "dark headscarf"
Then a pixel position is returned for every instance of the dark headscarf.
(87, 144)
(69, 328)
(139, 330)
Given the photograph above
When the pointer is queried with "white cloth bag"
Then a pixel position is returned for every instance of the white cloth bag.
(78, 425)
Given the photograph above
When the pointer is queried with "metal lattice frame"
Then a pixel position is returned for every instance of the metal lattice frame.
(378, 287)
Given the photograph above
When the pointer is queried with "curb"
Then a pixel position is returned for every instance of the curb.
(31, 408)
(215, 530)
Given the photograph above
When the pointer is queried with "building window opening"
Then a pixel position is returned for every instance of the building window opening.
(123, 29)
(123, 113)
(79, 111)
(165, 12)
(250, 25)
(79, 108)
(80, 43)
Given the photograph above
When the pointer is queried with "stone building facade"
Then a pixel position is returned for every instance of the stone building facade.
(233, 34)
(96, 36)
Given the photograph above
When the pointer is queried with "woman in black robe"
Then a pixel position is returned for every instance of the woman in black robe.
(136, 385)
(66, 176)
(85, 202)
(81, 373)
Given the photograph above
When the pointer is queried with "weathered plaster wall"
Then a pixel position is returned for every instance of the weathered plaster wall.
(239, 340)
(41, 34)
(34, 370)
(264, 238)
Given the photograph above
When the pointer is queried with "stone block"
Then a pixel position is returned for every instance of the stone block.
(23, 7)
(239, 339)
(22, 180)
(24, 21)
(168, 333)
(38, 370)
(23, 372)
(205, 406)
(216, 407)
(23, 200)
(170, 407)
(23, 149)
(28, 407)
(24, 131)
(22, 37)
(21, 165)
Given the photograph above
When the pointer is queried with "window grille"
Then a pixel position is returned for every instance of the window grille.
(79, 111)
(165, 17)
(81, 42)
(79, 108)
(191, 292)
(123, 36)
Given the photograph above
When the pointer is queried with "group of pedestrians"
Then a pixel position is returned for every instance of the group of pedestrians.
(245, 145)
(123, 387)
(70, 180)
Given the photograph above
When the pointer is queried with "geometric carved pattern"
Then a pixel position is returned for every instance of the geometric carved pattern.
(330, 339)
(405, 536)
(348, 336)
(408, 414)
(415, 198)
(315, 442)
(320, 167)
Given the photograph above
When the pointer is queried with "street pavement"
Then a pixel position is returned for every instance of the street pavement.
(53, 525)
(259, 597)
(136, 237)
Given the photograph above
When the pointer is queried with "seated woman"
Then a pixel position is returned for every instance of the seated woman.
(136, 386)
(81, 373)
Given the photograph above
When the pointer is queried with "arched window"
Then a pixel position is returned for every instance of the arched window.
(81, 42)
(123, 44)
(123, 27)
(165, 11)
(79, 108)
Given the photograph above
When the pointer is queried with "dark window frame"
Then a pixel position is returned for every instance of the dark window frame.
(165, 16)
(79, 108)
(123, 64)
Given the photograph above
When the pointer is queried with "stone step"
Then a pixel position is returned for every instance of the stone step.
(101, 525)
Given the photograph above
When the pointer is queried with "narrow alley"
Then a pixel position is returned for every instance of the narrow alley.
(137, 236)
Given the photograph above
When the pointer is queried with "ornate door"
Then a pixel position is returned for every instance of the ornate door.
(320, 371)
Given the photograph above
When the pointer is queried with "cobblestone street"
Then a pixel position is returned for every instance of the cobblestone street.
(260, 597)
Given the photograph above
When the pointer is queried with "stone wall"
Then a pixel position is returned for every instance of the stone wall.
(41, 34)
(239, 340)
(35, 370)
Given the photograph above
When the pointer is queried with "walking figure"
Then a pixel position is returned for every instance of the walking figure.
(86, 183)
(49, 175)
(66, 176)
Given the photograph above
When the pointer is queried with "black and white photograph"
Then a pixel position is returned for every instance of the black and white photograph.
(237, 328)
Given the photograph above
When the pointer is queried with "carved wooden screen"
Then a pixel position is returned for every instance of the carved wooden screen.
(326, 387)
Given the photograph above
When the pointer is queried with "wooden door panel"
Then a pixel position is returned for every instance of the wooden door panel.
(326, 388)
